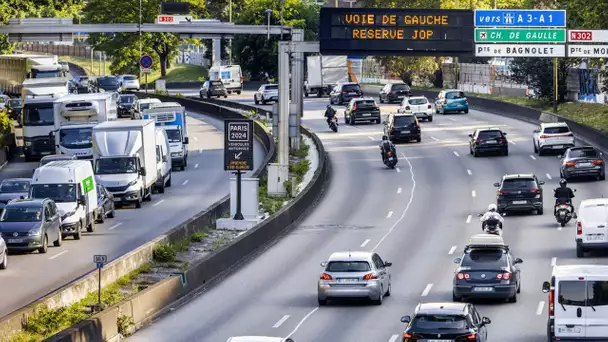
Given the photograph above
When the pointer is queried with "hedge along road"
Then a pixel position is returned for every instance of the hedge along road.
(31, 276)
(419, 216)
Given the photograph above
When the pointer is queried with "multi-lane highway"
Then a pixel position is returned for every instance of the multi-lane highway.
(419, 216)
(204, 181)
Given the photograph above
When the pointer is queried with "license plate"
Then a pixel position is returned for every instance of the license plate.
(491, 142)
(45, 153)
(520, 202)
(348, 280)
(558, 146)
(405, 132)
(15, 240)
(569, 330)
(367, 115)
(483, 289)
(595, 237)
(390, 159)
(401, 96)
(583, 165)
(352, 93)
(420, 113)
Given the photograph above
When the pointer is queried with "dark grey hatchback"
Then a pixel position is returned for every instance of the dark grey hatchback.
(582, 162)
(519, 192)
(402, 127)
(29, 224)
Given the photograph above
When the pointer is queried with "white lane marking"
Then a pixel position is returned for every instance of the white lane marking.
(469, 172)
(452, 119)
(469, 218)
(427, 289)
(398, 169)
(452, 250)
(399, 190)
(456, 154)
(548, 176)
(195, 138)
(435, 139)
(473, 193)
(185, 182)
(407, 207)
(115, 226)
(281, 321)
(393, 338)
(58, 255)
(539, 308)
(553, 261)
(365, 243)
(370, 138)
(158, 203)
(390, 213)
(513, 142)
(196, 166)
(200, 150)
(533, 157)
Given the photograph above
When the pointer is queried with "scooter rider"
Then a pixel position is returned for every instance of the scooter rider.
(385, 146)
(330, 113)
(491, 214)
(563, 195)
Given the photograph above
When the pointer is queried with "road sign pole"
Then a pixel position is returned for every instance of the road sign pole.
(99, 291)
(238, 215)
(146, 83)
(555, 84)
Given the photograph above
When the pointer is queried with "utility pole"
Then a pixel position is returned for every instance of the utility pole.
(139, 29)
(230, 40)
(555, 84)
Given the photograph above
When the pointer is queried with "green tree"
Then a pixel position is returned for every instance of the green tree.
(124, 47)
(537, 73)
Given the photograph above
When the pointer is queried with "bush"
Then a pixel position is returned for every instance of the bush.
(164, 253)
(161, 92)
(198, 237)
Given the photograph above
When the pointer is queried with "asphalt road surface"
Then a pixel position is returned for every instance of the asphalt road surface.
(419, 216)
(30, 276)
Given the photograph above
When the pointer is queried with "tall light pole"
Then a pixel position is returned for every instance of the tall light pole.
(139, 29)
(268, 13)
(230, 40)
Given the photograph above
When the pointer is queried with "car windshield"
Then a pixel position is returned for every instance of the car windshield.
(109, 166)
(60, 193)
(593, 210)
(557, 130)
(348, 266)
(482, 258)
(38, 114)
(571, 292)
(21, 214)
(46, 74)
(584, 153)
(144, 106)
(366, 104)
(404, 120)
(398, 87)
(174, 135)
(76, 137)
(489, 135)
(454, 95)
(519, 183)
(351, 87)
(14, 102)
(108, 81)
(418, 101)
(10, 186)
(435, 322)
(129, 78)
(272, 87)
(127, 99)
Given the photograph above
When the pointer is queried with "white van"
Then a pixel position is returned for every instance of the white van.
(592, 226)
(578, 303)
(71, 184)
(230, 75)
(258, 339)
(163, 160)
(143, 104)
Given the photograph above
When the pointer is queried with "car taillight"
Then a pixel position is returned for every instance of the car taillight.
(551, 302)
(545, 137)
(462, 276)
(355, 107)
(535, 190)
(377, 108)
(408, 335)
(598, 162)
(393, 92)
(241, 79)
(430, 107)
(267, 91)
(478, 140)
(466, 101)
(503, 276)
(579, 228)
(407, 107)
(390, 154)
(369, 276)
(472, 336)
(500, 192)
(325, 276)
(569, 164)
(344, 92)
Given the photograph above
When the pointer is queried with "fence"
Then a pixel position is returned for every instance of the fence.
(59, 50)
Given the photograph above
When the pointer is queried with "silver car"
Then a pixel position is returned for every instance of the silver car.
(3, 254)
(354, 275)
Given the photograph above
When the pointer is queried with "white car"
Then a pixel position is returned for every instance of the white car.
(555, 136)
(417, 105)
(129, 82)
(3, 254)
(65, 66)
(591, 226)
(266, 93)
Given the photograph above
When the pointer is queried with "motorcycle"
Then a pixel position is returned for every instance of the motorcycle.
(333, 123)
(563, 213)
(491, 226)
(390, 159)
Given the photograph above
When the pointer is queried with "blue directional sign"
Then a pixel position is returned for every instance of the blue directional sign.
(145, 61)
(520, 18)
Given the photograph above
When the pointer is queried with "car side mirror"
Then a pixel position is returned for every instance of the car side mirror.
(186, 141)
(496, 185)
(518, 261)
(546, 287)
(470, 135)
(324, 264)
(574, 190)
(485, 321)
(384, 122)
(503, 133)
(388, 264)
(574, 216)
(541, 183)
(457, 260)
(82, 200)
(142, 172)
(406, 319)
(536, 131)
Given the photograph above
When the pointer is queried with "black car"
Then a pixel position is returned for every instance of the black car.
(582, 162)
(107, 83)
(362, 109)
(457, 322)
(345, 92)
(29, 225)
(394, 92)
(519, 192)
(13, 107)
(126, 105)
(488, 140)
(487, 272)
(105, 204)
(400, 126)
(213, 88)
(13, 188)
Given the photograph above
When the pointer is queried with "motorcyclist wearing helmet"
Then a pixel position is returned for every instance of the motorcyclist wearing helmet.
(385, 146)
(491, 214)
(330, 113)
(563, 195)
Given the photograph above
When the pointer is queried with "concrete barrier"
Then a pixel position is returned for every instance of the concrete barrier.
(79, 288)
(155, 300)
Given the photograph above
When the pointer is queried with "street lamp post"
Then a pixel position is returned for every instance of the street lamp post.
(139, 29)
(268, 13)
(230, 40)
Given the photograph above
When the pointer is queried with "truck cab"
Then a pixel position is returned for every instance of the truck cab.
(48, 71)
(172, 117)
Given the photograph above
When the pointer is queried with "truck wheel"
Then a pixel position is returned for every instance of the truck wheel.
(138, 203)
(149, 197)
(91, 226)
(238, 92)
(161, 188)
(78, 233)
(102, 216)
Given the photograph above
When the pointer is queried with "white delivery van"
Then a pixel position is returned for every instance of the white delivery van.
(124, 155)
(591, 226)
(71, 184)
(163, 160)
(578, 303)
(230, 75)
(172, 117)
(143, 104)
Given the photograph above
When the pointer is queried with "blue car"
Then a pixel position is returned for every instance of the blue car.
(451, 100)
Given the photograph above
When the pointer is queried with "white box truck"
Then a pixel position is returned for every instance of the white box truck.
(125, 159)
(71, 184)
(230, 75)
(163, 161)
(75, 117)
(172, 117)
(38, 119)
(324, 73)
(14, 69)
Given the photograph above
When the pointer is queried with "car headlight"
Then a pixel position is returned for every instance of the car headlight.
(34, 232)
(68, 214)
(131, 183)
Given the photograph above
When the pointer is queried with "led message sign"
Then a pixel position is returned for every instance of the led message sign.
(378, 31)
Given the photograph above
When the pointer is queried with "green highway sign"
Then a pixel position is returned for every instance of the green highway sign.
(520, 35)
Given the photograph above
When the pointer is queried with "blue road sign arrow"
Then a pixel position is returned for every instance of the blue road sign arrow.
(520, 18)
(145, 61)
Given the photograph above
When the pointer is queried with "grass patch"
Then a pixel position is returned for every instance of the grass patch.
(85, 63)
(198, 237)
